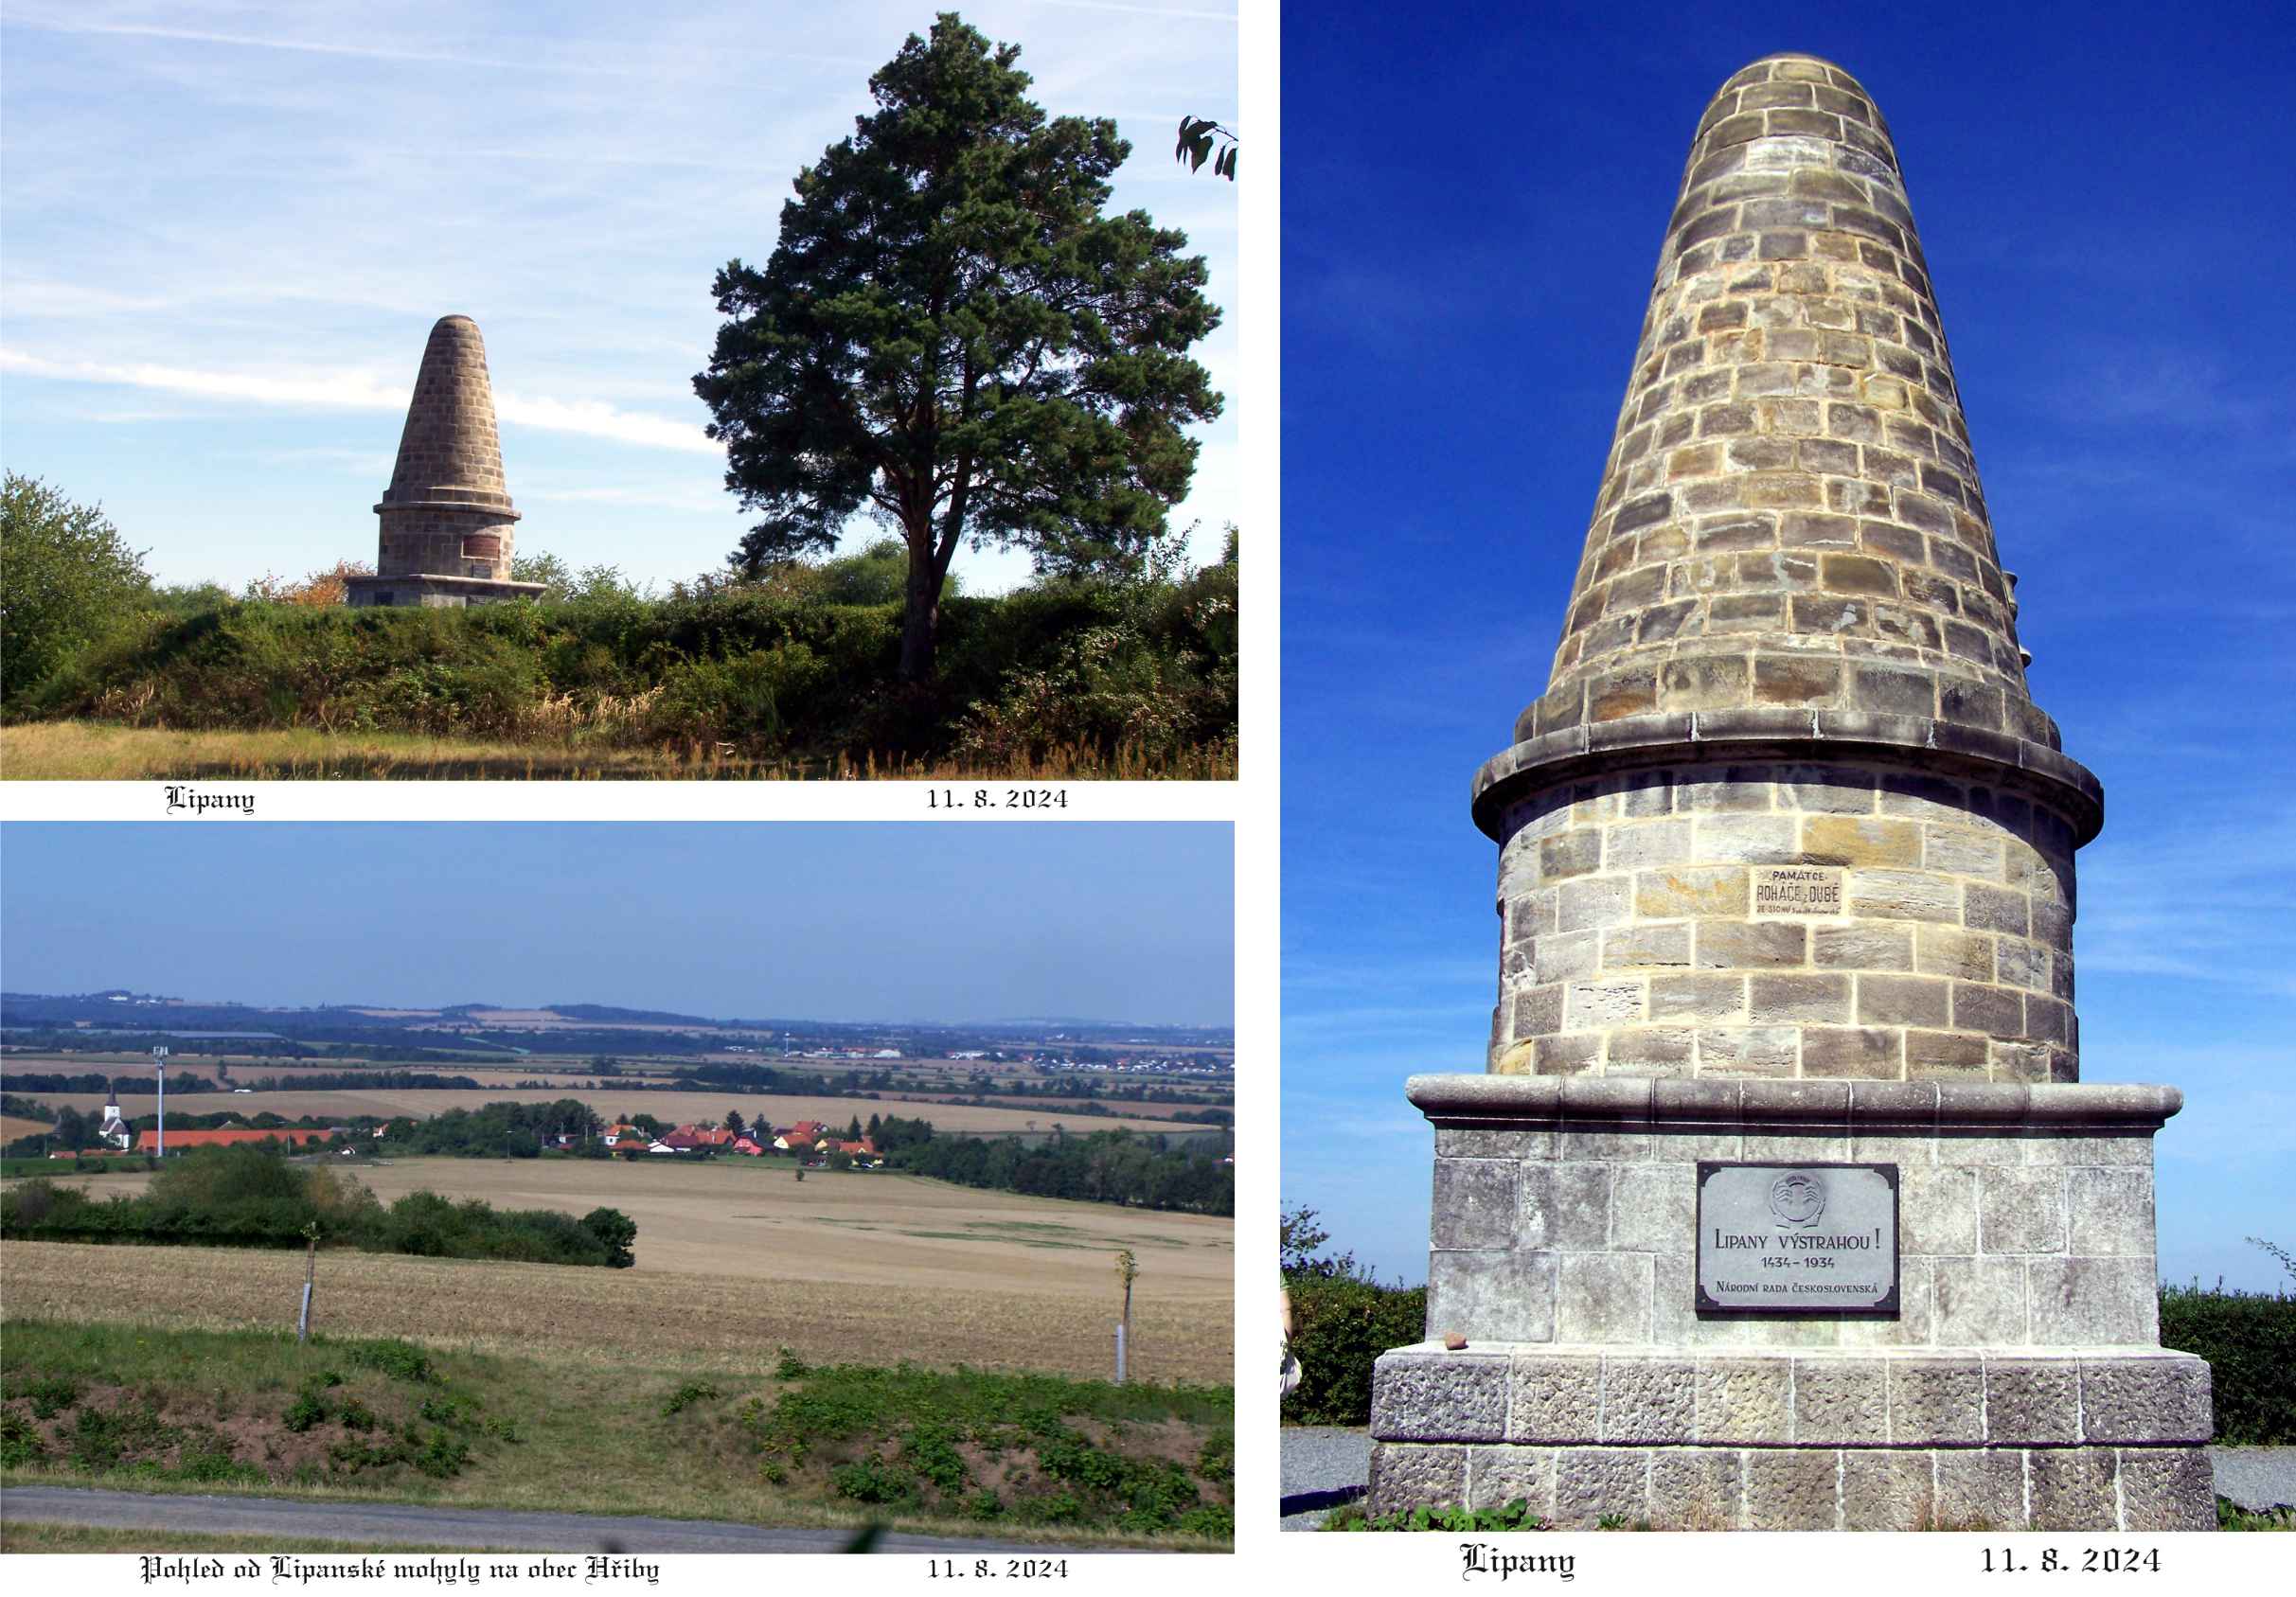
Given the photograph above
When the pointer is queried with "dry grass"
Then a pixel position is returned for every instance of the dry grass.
(100, 751)
(612, 1319)
(735, 1259)
(673, 1108)
(12, 1126)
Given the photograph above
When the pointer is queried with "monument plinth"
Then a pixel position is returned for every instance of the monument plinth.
(1781, 1204)
(447, 522)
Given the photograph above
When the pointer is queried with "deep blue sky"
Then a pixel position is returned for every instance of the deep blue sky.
(1474, 203)
(870, 922)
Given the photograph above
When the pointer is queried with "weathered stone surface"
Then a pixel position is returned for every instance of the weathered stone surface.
(1744, 1399)
(2166, 1489)
(1933, 1400)
(1591, 1483)
(2112, 1212)
(1439, 1395)
(1555, 1398)
(1491, 1294)
(1980, 1489)
(1696, 1488)
(1981, 1302)
(1476, 1203)
(1653, 1207)
(1405, 1475)
(1501, 1475)
(1603, 1298)
(2093, 1303)
(2021, 1211)
(1840, 1401)
(1565, 1206)
(1789, 1489)
(2072, 1489)
(2032, 1400)
(1888, 1490)
(1649, 1399)
(2164, 1398)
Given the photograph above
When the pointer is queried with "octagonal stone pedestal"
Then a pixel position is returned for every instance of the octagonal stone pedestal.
(2018, 1385)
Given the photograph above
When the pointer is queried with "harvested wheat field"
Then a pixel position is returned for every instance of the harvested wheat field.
(616, 1316)
(671, 1109)
(12, 1126)
(733, 1259)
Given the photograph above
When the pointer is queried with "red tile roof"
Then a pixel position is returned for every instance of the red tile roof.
(149, 1140)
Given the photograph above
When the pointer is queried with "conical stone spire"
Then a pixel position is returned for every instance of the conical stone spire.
(446, 521)
(1785, 806)
(449, 453)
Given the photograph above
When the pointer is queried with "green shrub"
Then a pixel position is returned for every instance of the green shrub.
(51, 1394)
(686, 1396)
(1340, 1326)
(1515, 1516)
(19, 1442)
(2248, 1340)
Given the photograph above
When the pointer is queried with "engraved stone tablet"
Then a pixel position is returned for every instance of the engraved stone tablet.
(1796, 890)
(1801, 1239)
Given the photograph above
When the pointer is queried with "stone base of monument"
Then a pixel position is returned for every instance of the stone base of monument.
(433, 591)
(1639, 1347)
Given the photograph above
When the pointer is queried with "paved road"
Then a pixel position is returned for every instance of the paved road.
(417, 1524)
(1326, 1465)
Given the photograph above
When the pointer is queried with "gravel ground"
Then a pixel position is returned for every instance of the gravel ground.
(2255, 1478)
(1326, 1465)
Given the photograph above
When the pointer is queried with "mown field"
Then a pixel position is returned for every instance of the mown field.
(735, 1259)
(671, 1109)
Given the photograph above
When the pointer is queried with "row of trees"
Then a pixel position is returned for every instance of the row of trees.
(255, 1197)
(1102, 1167)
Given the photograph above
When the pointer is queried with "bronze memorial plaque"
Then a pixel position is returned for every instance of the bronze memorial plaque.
(1811, 1239)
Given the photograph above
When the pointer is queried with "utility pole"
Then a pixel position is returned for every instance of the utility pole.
(159, 1064)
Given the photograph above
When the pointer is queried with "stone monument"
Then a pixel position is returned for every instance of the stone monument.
(1781, 1204)
(447, 519)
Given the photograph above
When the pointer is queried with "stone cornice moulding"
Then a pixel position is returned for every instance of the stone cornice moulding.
(1821, 1107)
(1695, 736)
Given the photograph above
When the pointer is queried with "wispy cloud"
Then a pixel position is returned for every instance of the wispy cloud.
(355, 390)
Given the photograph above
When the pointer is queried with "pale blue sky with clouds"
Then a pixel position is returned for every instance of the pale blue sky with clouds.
(1473, 203)
(229, 227)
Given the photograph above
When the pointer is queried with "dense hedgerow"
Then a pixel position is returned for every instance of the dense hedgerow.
(2248, 1340)
(782, 668)
(250, 1196)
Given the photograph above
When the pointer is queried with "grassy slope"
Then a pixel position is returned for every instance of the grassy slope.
(590, 1434)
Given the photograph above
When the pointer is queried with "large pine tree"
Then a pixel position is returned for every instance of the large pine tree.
(952, 334)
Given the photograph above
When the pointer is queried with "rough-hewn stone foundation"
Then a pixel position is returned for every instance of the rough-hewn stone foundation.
(2024, 1349)
(1723, 1488)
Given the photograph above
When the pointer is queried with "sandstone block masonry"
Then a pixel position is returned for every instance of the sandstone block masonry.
(1786, 808)
(1787, 919)
(448, 528)
(2018, 1385)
